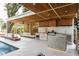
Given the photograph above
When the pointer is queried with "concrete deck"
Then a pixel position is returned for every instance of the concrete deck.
(32, 47)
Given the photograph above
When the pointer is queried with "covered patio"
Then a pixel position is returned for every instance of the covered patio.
(49, 28)
(46, 15)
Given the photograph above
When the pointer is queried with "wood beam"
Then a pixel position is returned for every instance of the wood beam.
(54, 10)
(64, 6)
(41, 16)
(64, 16)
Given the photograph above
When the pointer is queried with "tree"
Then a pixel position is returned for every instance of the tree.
(12, 8)
(3, 26)
(1, 22)
(9, 26)
(25, 9)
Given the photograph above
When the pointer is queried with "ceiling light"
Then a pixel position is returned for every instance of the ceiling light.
(34, 3)
(66, 11)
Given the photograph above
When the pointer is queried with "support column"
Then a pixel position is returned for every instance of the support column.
(72, 36)
(7, 28)
(30, 27)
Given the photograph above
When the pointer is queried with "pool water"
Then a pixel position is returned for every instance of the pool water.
(6, 48)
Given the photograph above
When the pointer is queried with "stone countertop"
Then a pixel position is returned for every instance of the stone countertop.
(57, 33)
(50, 33)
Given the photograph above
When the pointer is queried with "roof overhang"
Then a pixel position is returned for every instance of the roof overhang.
(46, 11)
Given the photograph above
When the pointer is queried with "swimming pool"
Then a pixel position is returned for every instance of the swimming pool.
(6, 48)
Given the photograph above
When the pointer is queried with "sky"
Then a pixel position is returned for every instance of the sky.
(3, 12)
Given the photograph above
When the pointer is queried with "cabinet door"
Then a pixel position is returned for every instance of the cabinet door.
(43, 36)
(57, 42)
(77, 41)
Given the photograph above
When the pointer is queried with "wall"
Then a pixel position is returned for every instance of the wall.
(64, 22)
(56, 22)
(64, 26)
(47, 23)
(52, 23)
(61, 29)
(61, 26)
(31, 28)
(43, 24)
(64, 29)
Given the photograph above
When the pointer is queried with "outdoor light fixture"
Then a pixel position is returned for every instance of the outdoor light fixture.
(23, 22)
(65, 11)
(78, 14)
(77, 20)
(34, 3)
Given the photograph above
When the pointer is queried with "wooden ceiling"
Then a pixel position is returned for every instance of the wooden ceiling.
(45, 11)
